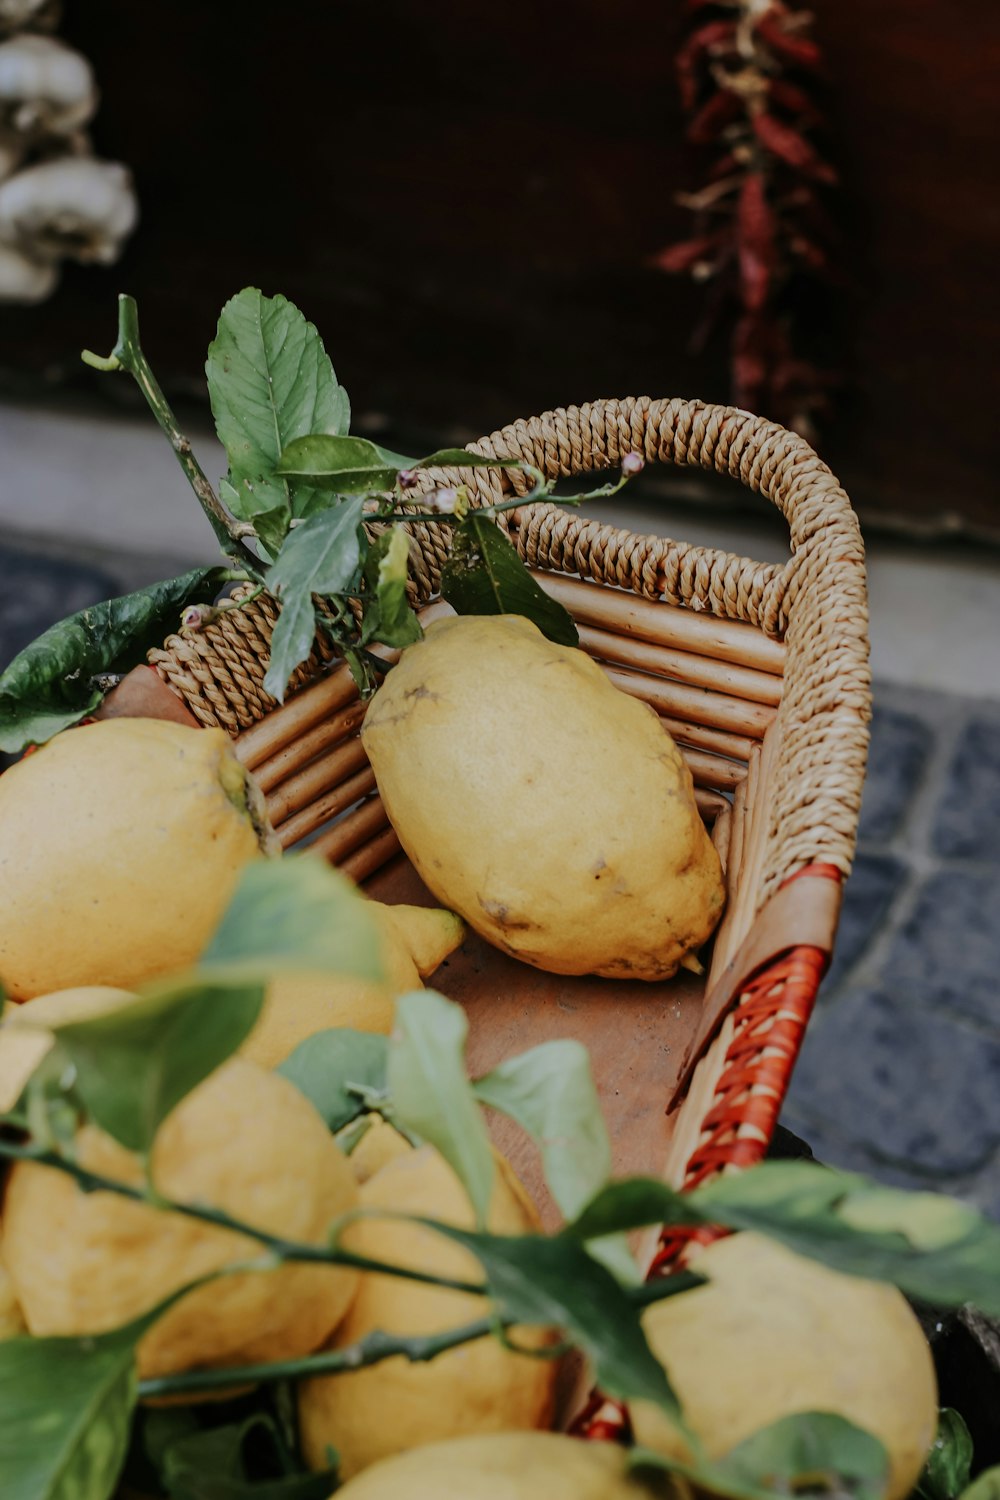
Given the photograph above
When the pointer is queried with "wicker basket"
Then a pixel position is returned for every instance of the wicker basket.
(761, 674)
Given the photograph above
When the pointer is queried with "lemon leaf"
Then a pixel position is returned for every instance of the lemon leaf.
(815, 1452)
(946, 1471)
(295, 913)
(485, 576)
(431, 1093)
(134, 1065)
(331, 1067)
(270, 381)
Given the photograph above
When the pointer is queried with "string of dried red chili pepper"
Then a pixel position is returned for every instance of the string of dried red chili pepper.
(760, 217)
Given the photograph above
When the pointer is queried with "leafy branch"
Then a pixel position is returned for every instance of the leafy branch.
(127, 355)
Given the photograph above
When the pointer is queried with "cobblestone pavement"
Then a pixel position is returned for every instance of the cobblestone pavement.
(900, 1073)
(899, 1076)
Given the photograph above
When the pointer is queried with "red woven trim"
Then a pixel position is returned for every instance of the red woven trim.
(771, 1017)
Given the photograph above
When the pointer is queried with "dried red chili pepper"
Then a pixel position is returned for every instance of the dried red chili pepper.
(707, 38)
(688, 253)
(712, 119)
(789, 146)
(796, 101)
(796, 48)
(755, 242)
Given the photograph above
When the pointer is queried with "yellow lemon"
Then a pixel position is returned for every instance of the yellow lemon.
(552, 811)
(120, 845)
(507, 1466)
(244, 1141)
(413, 943)
(773, 1333)
(385, 1408)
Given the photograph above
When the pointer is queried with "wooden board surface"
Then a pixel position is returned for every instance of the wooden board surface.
(636, 1034)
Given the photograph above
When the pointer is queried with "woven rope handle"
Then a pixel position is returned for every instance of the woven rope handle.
(577, 440)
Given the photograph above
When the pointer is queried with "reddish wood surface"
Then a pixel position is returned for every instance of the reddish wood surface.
(636, 1035)
(463, 200)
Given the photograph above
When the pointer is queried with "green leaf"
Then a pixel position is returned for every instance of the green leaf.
(348, 465)
(485, 576)
(932, 1247)
(214, 1464)
(552, 1281)
(134, 1065)
(946, 1472)
(431, 1093)
(65, 1410)
(389, 618)
(325, 1066)
(296, 913)
(322, 556)
(50, 686)
(270, 381)
(985, 1487)
(550, 1092)
(461, 458)
(813, 1452)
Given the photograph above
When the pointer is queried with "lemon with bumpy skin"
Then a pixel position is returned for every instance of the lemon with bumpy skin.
(24, 1034)
(413, 942)
(244, 1141)
(509, 1466)
(552, 811)
(120, 845)
(481, 1386)
(773, 1333)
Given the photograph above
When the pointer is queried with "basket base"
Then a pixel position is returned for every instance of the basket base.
(636, 1034)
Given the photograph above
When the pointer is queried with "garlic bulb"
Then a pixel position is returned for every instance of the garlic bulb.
(23, 279)
(45, 87)
(73, 206)
(17, 13)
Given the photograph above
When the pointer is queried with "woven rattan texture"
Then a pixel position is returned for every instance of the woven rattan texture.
(219, 671)
(817, 600)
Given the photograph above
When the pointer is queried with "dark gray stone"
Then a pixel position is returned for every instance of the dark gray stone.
(37, 591)
(868, 897)
(948, 951)
(913, 1090)
(967, 821)
(900, 745)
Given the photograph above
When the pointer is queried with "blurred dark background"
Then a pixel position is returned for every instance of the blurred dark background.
(465, 199)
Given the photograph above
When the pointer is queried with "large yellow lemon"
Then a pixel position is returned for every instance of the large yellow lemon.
(552, 811)
(414, 941)
(370, 1413)
(244, 1141)
(507, 1466)
(120, 845)
(773, 1333)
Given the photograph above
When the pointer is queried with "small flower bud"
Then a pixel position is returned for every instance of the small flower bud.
(406, 479)
(445, 501)
(632, 464)
(197, 616)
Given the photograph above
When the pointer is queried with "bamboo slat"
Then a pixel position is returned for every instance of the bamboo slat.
(321, 776)
(652, 620)
(356, 828)
(733, 746)
(327, 807)
(712, 771)
(371, 857)
(292, 757)
(715, 710)
(685, 666)
(300, 714)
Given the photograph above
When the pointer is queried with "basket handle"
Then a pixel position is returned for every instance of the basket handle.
(581, 439)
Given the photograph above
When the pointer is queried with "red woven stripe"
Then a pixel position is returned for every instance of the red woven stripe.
(771, 1017)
